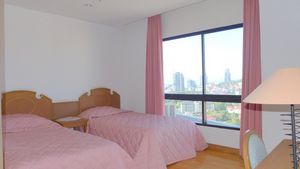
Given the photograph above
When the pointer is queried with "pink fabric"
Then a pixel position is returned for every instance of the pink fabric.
(155, 101)
(251, 117)
(99, 111)
(152, 141)
(24, 122)
(55, 147)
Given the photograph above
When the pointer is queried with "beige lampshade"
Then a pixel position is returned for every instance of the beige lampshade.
(282, 87)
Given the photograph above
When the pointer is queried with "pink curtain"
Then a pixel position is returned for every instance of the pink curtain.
(251, 117)
(154, 68)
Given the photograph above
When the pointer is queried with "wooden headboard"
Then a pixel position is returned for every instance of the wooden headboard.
(99, 97)
(27, 102)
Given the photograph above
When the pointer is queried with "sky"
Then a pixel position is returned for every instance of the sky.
(223, 50)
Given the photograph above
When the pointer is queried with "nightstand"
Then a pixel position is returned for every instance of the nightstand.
(73, 122)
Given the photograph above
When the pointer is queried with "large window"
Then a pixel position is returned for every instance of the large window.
(203, 76)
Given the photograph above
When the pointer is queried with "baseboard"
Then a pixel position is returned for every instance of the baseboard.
(224, 149)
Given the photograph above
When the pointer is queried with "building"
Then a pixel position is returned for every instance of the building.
(187, 107)
(170, 108)
(178, 82)
(227, 76)
(191, 85)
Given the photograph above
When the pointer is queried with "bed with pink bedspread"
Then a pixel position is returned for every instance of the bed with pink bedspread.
(152, 141)
(32, 142)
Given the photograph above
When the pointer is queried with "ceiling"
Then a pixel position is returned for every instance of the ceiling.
(107, 12)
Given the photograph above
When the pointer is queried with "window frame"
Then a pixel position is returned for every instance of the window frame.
(205, 97)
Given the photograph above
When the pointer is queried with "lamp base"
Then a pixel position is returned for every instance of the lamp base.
(294, 137)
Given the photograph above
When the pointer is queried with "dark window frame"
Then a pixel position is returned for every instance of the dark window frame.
(205, 97)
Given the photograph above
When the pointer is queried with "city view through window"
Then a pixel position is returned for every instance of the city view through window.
(211, 68)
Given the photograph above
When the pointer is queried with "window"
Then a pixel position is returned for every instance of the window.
(203, 76)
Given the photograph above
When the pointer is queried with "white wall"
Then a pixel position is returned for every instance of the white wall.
(2, 83)
(202, 16)
(280, 38)
(59, 56)
(133, 63)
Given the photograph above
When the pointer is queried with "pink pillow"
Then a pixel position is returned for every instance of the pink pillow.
(99, 111)
(24, 122)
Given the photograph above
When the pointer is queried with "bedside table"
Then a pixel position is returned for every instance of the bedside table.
(73, 122)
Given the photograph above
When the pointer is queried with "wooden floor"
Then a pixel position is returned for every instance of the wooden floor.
(211, 159)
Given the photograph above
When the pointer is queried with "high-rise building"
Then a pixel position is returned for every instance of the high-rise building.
(178, 82)
(227, 75)
(191, 85)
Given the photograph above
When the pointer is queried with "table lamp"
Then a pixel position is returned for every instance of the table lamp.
(281, 88)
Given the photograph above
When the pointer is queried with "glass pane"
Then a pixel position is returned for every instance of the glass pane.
(223, 114)
(223, 62)
(187, 109)
(183, 65)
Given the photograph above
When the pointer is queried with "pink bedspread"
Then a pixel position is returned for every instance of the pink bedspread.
(54, 147)
(152, 141)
